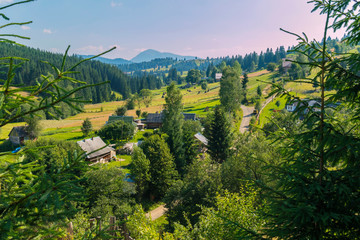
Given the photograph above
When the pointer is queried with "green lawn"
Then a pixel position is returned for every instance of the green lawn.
(269, 109)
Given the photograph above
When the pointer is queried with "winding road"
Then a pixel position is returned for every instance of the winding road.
(247, 114)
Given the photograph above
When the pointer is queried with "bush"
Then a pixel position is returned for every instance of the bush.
(118, 130)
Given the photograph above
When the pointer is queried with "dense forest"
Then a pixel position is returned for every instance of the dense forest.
(91, 72)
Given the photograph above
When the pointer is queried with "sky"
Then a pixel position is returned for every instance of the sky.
(202, 28)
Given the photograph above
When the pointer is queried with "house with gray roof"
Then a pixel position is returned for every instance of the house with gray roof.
(18, 135)
(96, 150)
(155, 120)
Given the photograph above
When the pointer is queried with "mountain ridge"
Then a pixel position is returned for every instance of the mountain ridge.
(151, 54)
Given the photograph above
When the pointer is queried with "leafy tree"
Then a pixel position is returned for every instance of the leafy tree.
(118, 130)
(49, 152)
(146, 96)
(121, 111)
(199, 187)
(230, 93)
(203, 85)
(162, 166)
(144, 114)
(237, 68)
(194, 76)
(231, 213)
(138, 113)
(86, 127)
(140, 171)
(130, 103)
(172, 124)
(33, 127)
(108, 193)
(271, 67)
(219, 135)
(251, 154)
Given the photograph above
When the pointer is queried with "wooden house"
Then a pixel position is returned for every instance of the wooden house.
(155, 120)
(18, 135)
(96, 150)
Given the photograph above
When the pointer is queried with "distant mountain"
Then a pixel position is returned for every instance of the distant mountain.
(116, 61)
(151, 54)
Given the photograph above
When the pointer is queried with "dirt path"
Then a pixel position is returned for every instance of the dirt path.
(157, 212)
(247, 114)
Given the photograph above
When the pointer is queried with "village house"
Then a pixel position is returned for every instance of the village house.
(218, 76)
(286, 64)
(293, 105)
(18, 135)
(155, 120)
(96, 150)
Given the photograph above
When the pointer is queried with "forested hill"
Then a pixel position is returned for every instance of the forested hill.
(90, 72)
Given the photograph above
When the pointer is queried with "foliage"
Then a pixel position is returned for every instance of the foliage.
(38, 205)
(219, 135)
(227, 219)
(138, 113)
(193, 76)
(49, 153)
(317, 192)
(121, 111)
(130, 103)
(172, 125)
(86, 127)
(252, 153)
(33, 127)
(140, 171)
(140, 226)
(162, 166)
(199, 187)
(118, 130)
(231, 93)
(146, 96)
(282, 120)
(108, 193)
(144, 114)
(190, 128)
(204, 85)
(271, 67)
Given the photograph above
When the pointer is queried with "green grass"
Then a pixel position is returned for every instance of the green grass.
(268, 110)
(70, 134)
(139, 136)
(198, 108)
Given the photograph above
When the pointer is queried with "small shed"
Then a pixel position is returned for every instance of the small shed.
(18, 135)
(96, 150)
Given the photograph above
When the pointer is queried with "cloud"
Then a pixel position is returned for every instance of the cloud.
(25, 27)
(6, 1)
(48, 31)
(114, 3)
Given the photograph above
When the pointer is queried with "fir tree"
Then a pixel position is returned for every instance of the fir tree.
(86, 127)
(172, 124)
(219, 136)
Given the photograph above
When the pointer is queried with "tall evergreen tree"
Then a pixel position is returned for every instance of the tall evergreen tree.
(172, 124)
(219, 135)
